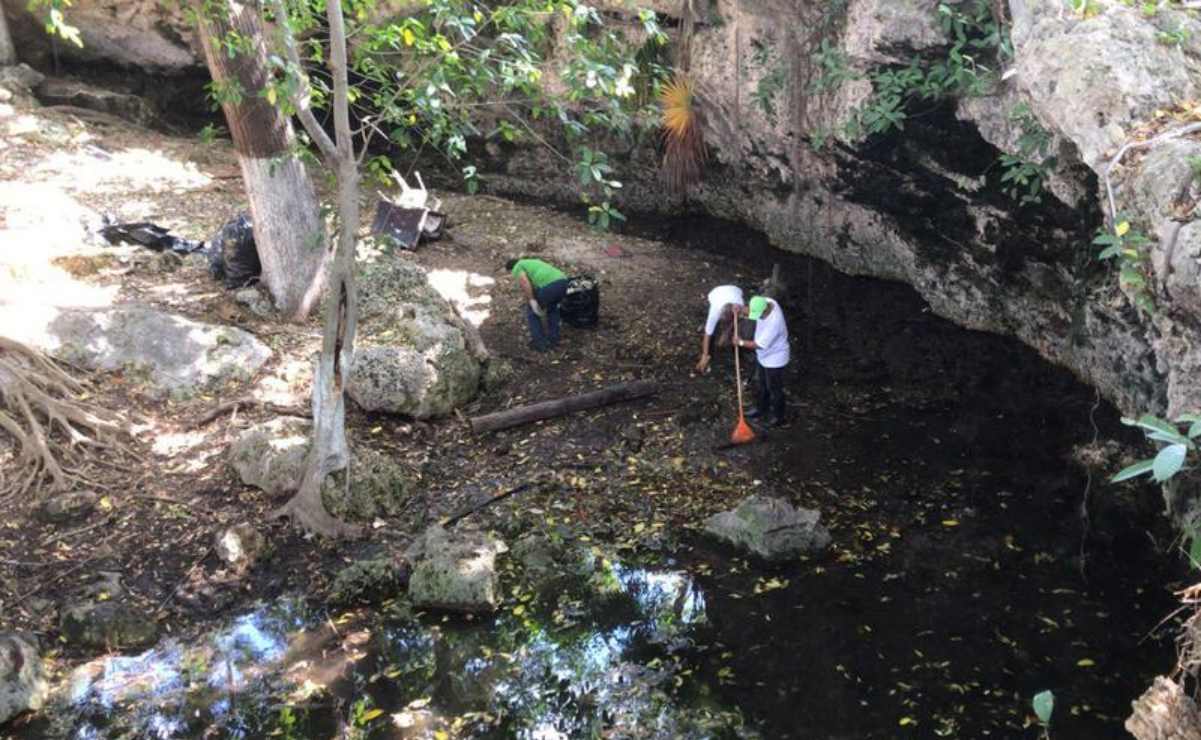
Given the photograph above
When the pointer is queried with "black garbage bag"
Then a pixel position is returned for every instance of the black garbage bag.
(233, 257)
(151, 236)
(580, 307)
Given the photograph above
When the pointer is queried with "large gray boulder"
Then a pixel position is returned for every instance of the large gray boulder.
(770, 528)
(455, 570)
(271, 456)
(23, 685)
(1093, 79)
(139, 34)
(415, 355)
(176, 356)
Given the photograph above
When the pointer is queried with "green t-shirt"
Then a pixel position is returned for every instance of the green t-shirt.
(540, 273)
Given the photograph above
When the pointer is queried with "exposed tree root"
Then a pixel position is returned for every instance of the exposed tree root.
(57, 433)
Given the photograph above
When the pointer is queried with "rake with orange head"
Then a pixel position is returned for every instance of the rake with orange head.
(742, 433)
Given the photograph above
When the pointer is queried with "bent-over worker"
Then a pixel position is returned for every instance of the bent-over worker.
(544, 287)
(772, 353)
(720, 322)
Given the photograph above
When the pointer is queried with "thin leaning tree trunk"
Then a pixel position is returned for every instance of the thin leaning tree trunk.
(288, 230)
(330, 452)
(8, 52)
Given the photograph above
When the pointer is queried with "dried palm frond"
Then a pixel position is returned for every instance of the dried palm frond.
(684, 151)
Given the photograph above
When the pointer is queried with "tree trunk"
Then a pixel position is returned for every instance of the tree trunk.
(563, 406)
(288, 231)
(329, 451)
(8, 52)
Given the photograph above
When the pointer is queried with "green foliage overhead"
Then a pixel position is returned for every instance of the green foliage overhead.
(433, 76)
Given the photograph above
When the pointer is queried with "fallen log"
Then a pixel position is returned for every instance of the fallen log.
(563, 406)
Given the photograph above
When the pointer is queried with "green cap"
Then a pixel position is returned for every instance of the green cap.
(757, 306)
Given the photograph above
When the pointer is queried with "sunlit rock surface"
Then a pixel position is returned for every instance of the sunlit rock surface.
(414, 354)
(272, 455)
(770, 528)
(455, 570)
(175, 356)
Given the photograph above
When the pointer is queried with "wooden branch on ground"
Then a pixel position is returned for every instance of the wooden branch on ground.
(452, 520)
(229, 406)
(563, 406)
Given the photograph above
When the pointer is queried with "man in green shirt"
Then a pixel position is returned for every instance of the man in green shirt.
(544, 287)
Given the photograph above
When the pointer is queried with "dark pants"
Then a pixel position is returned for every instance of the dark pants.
(771, 391)
(549, 297)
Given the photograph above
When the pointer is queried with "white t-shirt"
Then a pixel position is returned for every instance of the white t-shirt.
(771, 338)
(718, 298)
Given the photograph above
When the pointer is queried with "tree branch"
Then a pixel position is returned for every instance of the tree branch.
(302, 98)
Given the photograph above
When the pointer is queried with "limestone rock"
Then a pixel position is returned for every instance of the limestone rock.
(140, 34)
(122, 105)
(543, 558)
(23, 685)
(415, 356)
(253, 299)
(770, 528)
(240, 546)
(455, 570)
(890, 30)
(67, 507)
(106, 625)
(366, 582)
(497, 374)
(1093, 79)
(21, 76)
(271, 456)
(177, 356)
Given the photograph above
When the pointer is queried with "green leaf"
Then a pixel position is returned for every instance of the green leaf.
(1133, 471)
(1194, 551)
(1044, 705)
(1169, 461)
(1195, 430)
(1108, 252)
(1152, 423)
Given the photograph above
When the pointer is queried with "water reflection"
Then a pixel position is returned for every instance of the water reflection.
(528, 673)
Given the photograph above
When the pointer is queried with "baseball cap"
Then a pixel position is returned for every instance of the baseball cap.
(757, 306)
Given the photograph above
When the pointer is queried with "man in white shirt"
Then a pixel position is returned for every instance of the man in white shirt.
(723, 300)
(772, 352)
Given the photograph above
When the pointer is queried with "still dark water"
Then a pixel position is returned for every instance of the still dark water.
(964, 579)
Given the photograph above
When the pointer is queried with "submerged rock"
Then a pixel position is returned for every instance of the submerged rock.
(102, 618)
(107, 625)
(23, 685)
(175, 355)
(415, 355)
(367, 582)
(271, 456)
(770, 528)
(455, 570)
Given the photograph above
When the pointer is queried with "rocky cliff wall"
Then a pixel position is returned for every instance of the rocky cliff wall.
(927, 204)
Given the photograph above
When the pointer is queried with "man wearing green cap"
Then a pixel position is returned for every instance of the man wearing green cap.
(772, 352)
(544, 287)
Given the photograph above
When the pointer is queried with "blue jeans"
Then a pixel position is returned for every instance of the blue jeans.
(549, 297)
